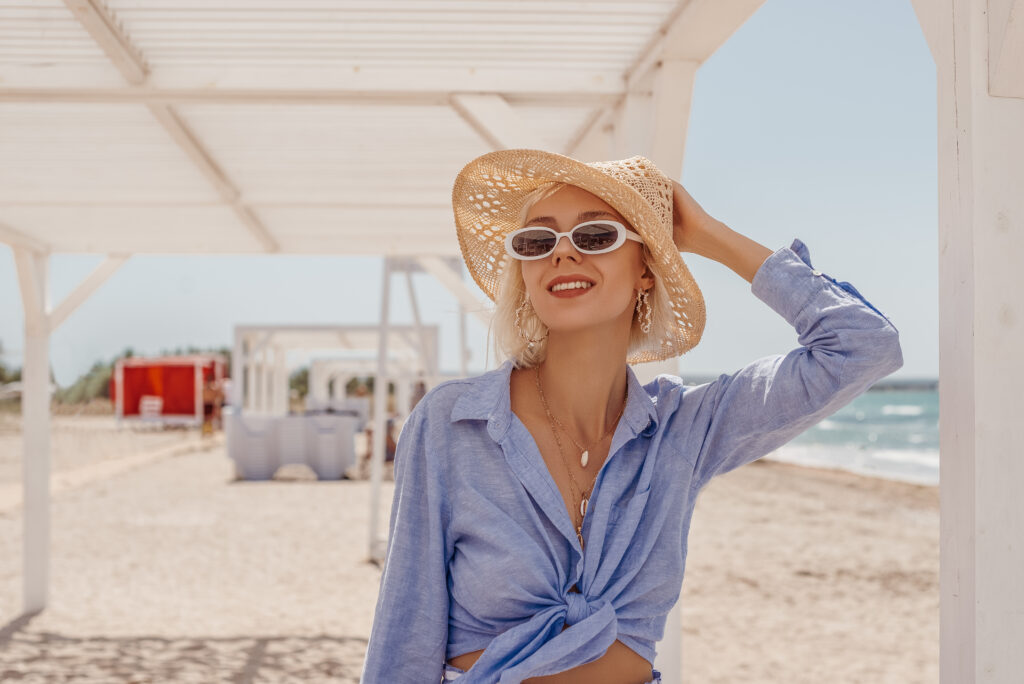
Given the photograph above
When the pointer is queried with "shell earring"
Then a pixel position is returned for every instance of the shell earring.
(643, 311)
(530, 342)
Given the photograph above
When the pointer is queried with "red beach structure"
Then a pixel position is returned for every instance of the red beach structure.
(164, 389)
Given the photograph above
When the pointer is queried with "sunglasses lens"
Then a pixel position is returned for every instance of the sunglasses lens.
(595, 237)
(531, 243)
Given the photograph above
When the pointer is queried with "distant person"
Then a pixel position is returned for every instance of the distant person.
(418, 392)
(390, 448)
(210, 392)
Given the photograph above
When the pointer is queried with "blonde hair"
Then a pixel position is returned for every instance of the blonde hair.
(512, 294)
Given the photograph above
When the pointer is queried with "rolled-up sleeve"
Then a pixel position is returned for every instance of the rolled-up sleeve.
(410, 623)
(846, 346)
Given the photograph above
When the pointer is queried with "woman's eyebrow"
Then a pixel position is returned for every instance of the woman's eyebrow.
(583, 216)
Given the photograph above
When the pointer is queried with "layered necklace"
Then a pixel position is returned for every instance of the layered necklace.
(584, 455)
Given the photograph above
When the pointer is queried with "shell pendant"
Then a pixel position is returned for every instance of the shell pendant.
(583, 507)
(584, 457)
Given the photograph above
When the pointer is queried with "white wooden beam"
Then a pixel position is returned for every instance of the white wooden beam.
(291, 96)
(110, 36)
(692, 32)
(514, 80)
(207, 165)
(99, 276)
(495, 121)
(1006, 48)
(593, 140)
(103, 26)
(453, 281)
(16, 238)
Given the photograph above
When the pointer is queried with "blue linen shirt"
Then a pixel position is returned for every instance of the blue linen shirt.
(482, 553)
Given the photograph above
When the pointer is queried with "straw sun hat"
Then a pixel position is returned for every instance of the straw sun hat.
(488, 197)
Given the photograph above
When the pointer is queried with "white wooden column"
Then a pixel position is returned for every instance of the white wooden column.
(250, 376)
(981, 336)
(35, 413)
(631, 132)
(32, 264)
(378, 542)
(463, 343)
(266, 375)
(281, 392)
(237, 371)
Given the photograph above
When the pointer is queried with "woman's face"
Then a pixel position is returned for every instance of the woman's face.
(615, 275)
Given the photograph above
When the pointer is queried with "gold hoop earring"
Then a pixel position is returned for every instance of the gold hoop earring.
(530, 342)
(643, 311)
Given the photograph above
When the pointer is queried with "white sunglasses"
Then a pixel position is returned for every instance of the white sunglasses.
(590, 237)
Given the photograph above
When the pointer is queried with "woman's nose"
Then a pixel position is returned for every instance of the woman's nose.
(564, 248)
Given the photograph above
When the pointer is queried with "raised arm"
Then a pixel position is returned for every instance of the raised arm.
(846, 345)
(410, 624)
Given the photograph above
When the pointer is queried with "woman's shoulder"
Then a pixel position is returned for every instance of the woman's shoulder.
(441, 401)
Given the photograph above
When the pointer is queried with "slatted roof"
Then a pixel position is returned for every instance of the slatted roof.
(308, 127)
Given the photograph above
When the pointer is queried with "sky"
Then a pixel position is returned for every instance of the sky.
(815, 120)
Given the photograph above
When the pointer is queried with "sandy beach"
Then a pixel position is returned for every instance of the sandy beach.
(171, 571)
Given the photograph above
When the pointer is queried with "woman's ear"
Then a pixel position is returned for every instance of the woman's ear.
(646, 279)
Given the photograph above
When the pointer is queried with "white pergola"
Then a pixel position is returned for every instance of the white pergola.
(337, 126)
(260, 368)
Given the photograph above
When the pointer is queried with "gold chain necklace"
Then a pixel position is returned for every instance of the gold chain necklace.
(585, 455)
(585, 498)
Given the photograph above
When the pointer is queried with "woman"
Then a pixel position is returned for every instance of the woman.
(538, 530)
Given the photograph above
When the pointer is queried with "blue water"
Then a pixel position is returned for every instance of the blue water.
(889, 434)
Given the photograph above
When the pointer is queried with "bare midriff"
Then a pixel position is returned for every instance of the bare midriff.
(619, 665)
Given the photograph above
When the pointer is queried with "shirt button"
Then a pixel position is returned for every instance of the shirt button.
(815, 272)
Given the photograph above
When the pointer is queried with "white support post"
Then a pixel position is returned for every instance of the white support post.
(596, 142)
(425, 358)
(673, 94)
(380, 395)
(463, 344)
(257, 386)
(237, 371)
(33, 282)
(265, 380)
(491, 116)
(981, 369)
(85, 289)
(119, 385)
(663, 119)
(281, 394)
(250, 376)
(633, 125)
(452, 280)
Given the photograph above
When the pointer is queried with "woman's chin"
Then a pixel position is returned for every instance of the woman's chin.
(575, 326)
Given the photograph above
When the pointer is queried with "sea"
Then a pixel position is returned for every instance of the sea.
(887, 433)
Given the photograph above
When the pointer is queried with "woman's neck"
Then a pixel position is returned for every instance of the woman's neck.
(584, 379)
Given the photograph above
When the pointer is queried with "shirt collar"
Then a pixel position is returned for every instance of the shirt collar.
(489, 399)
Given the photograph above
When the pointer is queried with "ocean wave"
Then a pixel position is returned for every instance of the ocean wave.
(902, 410)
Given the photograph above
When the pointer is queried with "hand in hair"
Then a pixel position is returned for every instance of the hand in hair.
(696, 231)
(689, 220)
